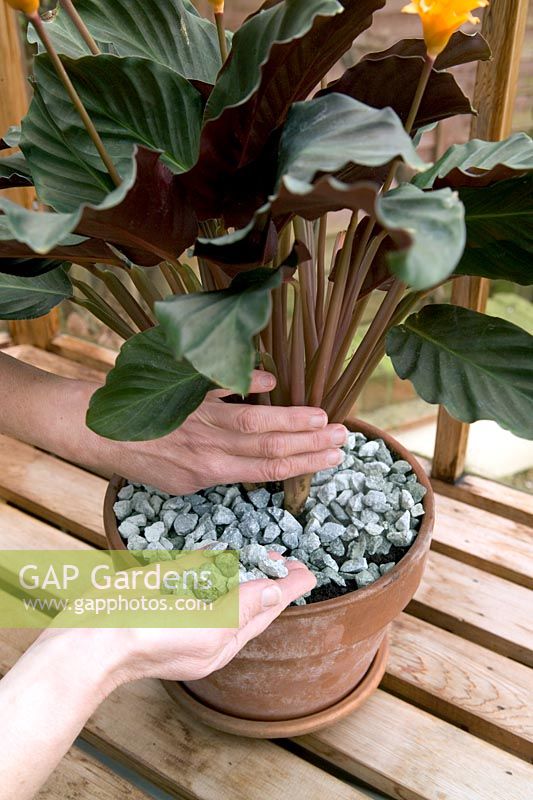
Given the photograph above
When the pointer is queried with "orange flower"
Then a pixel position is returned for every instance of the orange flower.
(218, 6)
(441, 18)
(28, 6)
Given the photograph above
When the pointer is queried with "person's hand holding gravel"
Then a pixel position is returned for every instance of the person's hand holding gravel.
(48, 696)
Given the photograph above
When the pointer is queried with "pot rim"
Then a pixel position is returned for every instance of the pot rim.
(382, 584)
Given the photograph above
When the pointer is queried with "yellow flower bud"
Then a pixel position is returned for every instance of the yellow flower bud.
(441, 18)
(28, 6)
(218, 6)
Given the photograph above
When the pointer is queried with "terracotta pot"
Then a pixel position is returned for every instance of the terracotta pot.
(313, 658)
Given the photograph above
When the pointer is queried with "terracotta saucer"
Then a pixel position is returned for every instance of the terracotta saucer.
(275, 729)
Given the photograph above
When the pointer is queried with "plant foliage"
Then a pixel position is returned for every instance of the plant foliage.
(238, 162)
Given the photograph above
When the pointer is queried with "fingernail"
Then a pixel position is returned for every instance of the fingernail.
(318, 421)
(339, 436)
(266, 381)
(335, 457)
(271, 596)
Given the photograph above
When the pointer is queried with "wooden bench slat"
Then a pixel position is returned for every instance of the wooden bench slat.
(483, 539)
(83, 777)
(20, 531)
(49, 362)
(464, 599)
(53, 489)
(173, 751)
(140, 726)
(462, 682)
(490, 496)
(87, 353)
(480, 607)
(456, 596)
(411, 755)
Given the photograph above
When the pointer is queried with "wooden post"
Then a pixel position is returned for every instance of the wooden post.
(14, 94)
(504, 24)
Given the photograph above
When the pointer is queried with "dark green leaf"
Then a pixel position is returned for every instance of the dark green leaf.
(140, 218)
(171, 33)
(499, 224)
(148, 393)
(69, 173)
(391, 82)
(18, 259)
(40, 231)
(320, 136)
(278, 56)
(478, 367)
(326, 134)
(501, 212)
(311, 201)
(478, 163)
(215, 330)
(28, 267)
(11, 138)
(461, 49)
(23, 298)
(429, 231)
(507, 261)
(64, 162)
(14, 172)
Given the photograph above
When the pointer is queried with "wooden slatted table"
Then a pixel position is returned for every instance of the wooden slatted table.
(452, 720)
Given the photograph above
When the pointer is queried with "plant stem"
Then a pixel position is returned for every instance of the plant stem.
(172, 278)
(101, 310)
(40, 28)
(124, 298)
(221, 31)
(321, 273)
(402, 309)
(146, 289)
(337, 247)
(343, 350)
(188, 277)
(358, 274)
(332, 318)
(362, 264)
(219, 276)
(378, 326)
(307, 292)
(413, 111)
(82, 28)
(279, 346)
(352, 396)
(270, 366)
(297, 376)
(419, 93)
(208, 283)
(266, 336)
(296, 493)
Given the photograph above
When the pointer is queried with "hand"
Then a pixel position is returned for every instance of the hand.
(66, 674)
(219, 443)
(223, 443)
(182, 654)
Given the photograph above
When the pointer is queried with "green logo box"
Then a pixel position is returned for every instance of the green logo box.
(119, 589)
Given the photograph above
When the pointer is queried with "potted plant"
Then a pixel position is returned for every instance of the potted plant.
(155, 132)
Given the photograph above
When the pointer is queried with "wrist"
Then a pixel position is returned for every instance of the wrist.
(95, 659)
(79, 443)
